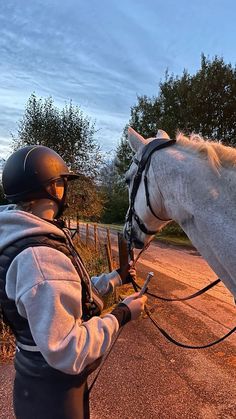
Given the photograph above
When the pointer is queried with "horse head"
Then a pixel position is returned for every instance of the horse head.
(147, 213)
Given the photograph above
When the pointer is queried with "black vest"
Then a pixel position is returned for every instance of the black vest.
(33, 363)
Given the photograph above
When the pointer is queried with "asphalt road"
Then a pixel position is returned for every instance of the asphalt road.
(147, 377)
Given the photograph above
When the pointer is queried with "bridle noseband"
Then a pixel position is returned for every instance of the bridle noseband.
(144, 164)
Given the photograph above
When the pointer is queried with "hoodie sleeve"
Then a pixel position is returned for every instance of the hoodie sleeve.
(47, 291)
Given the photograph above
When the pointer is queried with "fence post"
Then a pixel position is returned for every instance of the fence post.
(77, 224)
(109, 240)
(87, 234)
(123, 252)
(109, 260)
(95, 237)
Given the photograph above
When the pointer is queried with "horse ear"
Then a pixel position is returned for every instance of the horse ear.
(135, 140)
(162, 134)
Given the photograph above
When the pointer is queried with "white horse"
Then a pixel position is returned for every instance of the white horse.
(194, 183)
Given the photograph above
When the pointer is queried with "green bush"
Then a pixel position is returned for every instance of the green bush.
(173, 229)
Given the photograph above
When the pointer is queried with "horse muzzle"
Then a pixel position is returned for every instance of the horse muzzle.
(131, 236)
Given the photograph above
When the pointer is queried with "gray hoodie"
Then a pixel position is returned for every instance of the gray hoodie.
(47, 291)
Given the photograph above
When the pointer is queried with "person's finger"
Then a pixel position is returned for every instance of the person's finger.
(132, 271)
(135, 295)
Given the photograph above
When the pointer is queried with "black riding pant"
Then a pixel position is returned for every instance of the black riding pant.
(47, 398)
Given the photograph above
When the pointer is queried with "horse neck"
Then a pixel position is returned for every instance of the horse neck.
(201, 201)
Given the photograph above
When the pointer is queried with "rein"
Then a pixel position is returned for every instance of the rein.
(189, 297)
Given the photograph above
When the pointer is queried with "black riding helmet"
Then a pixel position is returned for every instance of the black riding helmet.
(29, 172)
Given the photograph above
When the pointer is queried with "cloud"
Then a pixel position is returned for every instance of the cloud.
(101, 54)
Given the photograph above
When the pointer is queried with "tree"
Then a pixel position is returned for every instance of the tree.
(86, 200)
(204, 103)
(123, 156)
(213, 91)
(145, 116)
(174, 101)
(115, 194)
(68, 131)
(71, 134)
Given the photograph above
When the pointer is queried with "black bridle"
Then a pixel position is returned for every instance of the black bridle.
(143, 165)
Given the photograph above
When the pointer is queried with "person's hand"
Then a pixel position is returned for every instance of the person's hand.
(127, 273)
(136, 304)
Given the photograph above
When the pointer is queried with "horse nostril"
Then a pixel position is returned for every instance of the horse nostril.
(138, 244)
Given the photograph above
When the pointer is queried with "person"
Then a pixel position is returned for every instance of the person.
(46, 295)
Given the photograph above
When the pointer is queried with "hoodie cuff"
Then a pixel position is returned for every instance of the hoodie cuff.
(106, 283)
(122, 314)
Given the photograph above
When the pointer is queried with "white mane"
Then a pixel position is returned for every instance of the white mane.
(217, 154)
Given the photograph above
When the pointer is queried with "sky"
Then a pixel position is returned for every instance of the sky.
(103, 54)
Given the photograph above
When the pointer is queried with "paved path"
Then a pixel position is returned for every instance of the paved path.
(147, 377)
(6, 377)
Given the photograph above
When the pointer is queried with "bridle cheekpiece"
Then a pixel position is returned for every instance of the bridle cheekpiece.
(143, 165)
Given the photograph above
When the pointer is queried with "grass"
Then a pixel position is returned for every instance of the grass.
(171, 234)
(176, 240)
(94, 260)
(118, 227)
(7, 343)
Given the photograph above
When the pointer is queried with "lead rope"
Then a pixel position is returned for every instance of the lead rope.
(162, 331)
(196, 294)
(189, 297)
(183, 345)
